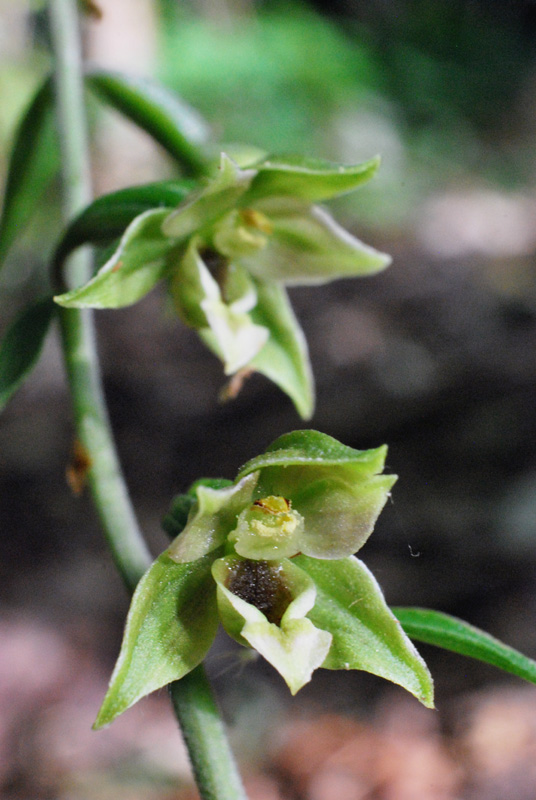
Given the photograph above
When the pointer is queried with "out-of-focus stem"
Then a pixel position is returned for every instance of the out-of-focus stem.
(91, 418)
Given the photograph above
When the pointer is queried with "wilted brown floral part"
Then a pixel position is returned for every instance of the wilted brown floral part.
(233, 387)
(77, 470)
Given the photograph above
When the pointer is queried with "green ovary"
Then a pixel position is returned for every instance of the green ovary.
(268, 529)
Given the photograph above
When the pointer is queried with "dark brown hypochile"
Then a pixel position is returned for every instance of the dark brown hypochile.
(262, 586)
(218, 267)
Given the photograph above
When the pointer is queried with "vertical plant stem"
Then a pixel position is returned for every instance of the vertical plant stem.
(91, 418)
(202, 727)
(204, 733)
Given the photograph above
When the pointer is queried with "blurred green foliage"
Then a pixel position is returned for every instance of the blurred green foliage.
(275, 77)
(435, 87)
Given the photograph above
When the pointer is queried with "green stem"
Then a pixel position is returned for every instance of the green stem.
(212, 761)
(91, 418)
(196, 710)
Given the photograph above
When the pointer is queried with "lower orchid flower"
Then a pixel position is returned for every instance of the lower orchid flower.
(270, 556)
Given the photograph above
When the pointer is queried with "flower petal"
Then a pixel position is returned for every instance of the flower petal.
(202, 208)
(213, 518)
(307, 246)
(295, 647)
(366, 634)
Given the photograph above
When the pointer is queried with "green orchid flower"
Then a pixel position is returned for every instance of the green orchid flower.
(227, 252)
(271, 557)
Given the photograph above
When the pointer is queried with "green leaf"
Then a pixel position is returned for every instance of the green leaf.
(366, 635)
(284, 359)
(308, 179)
(21, 346)
(280, 632)
(137, 265)
(451, 633)
(107, 217)
(170, 627)
(307, 246)
(33, 162)
(161, 113)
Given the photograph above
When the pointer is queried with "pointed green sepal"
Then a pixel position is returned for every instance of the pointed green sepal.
(106, 218)
(263, 604)
(284, 359)
(211, 519)
(339, 491)
(366, 634)
(182, 504)
(170, 627)
(307, 246)
(309, 179)
(136, 266)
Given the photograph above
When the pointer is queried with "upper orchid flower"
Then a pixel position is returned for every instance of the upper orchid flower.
(228, 250)
(271, 557)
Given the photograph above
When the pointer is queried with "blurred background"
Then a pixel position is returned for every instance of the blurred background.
(436, 357)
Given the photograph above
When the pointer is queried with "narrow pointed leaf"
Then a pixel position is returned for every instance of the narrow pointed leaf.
(22, 344)
(284, 359)
(366, 634)
(107, 217)
(162, 114)
(170, 626)
(309, 179)
(33, 163)
(136, 266)
(451, 633)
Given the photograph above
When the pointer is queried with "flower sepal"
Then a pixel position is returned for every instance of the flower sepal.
(366, 634)
(170, 627)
